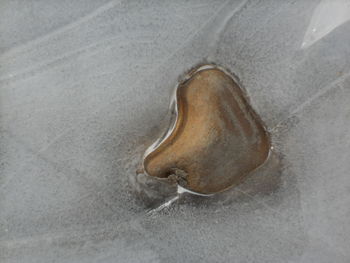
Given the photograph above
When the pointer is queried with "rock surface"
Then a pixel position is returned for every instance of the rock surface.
(217, 139)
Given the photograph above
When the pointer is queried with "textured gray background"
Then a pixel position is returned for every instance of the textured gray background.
(84, 86)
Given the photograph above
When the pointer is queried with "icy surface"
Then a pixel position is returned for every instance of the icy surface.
(84, 88)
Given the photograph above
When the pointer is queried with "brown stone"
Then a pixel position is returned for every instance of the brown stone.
(217, 139)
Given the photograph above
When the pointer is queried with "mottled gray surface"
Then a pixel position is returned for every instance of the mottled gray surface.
(84, 86)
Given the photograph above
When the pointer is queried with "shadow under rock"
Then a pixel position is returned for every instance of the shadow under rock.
(263, 181)
(153, 192)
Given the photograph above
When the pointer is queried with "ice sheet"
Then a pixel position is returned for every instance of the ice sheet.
(84, 89)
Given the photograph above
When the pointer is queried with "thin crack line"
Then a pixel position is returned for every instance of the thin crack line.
(334, 84)
(62, 29)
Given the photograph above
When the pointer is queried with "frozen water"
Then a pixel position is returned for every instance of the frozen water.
(84, 89)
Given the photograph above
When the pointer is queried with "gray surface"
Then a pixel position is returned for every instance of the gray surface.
(84, 86)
